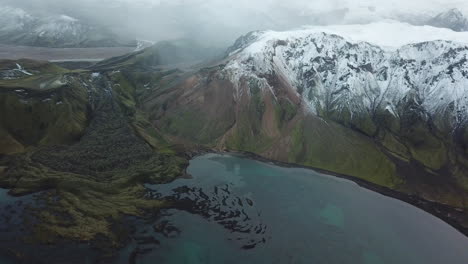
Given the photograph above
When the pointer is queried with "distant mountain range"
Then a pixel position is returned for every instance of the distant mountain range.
(18, 27)
(452, 19)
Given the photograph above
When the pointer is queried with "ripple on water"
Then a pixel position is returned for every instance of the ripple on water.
(236, 210)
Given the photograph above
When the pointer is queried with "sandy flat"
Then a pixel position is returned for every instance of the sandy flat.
(61, 54)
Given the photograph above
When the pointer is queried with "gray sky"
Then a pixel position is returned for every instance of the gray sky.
(221, 21)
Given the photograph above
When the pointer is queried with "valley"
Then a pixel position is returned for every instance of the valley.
(10, 52)
(90, 143)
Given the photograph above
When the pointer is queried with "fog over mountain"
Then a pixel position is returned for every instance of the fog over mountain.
(216, 22)
(242, 131)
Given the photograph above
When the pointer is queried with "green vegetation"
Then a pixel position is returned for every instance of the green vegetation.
(326, 145)
(247, 136)
(249, 133)
(362, 123)
(92, 142)
(90, 157)
(395, 147)
(32, 66)
(465, 141)
(37, 117)
(285, 111)
(425, 147)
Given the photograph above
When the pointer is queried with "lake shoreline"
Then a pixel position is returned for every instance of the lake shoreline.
(449, 214)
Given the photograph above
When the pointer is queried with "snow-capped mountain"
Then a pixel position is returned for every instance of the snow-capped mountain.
(453, 19)
(346, 74)
(384, 102)
(14, 19)
(19, 27)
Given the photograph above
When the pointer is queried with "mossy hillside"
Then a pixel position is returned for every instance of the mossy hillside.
(249, 134)
(188, 124)
(362, 122)
(149, 133)
(36, 84)
(390, 142)
(8, 144)
(199, 109)
(384, 119)
(137, 90)
(151, 84)
(92, 183)
(464, 144)
(315, 142)
(31, 66)
(460, 170)
(194, 124)
(285, 111)
(326, 145)
(125, 92)
(132, 87)
(407, 137)
(35, 117)
(79, 206)
(187, 113)
(402, 153)
(424, 146)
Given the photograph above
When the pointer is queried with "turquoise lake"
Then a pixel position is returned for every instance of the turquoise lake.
(248, 211)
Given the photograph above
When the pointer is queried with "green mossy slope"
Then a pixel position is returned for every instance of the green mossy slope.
(89, 149)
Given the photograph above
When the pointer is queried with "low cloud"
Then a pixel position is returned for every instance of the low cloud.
(219, 22)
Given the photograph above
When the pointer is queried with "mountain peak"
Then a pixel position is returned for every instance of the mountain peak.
(66, 18)
(19, 27)
(322, 67)
(453, 19)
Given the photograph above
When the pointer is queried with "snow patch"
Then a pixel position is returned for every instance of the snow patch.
(347, 74)
(20, 69)
(387, 34)
(67, 18)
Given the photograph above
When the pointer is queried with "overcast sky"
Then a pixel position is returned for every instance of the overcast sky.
(221, 21)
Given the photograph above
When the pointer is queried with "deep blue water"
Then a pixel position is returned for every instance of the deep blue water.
(254, 212)
(238, 210)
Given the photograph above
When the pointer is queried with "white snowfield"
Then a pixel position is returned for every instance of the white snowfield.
(388, 34)
(362, 68)
(16, 20)
(60, 27)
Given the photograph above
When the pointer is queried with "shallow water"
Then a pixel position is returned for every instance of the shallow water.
(238, 210)
(11, 221)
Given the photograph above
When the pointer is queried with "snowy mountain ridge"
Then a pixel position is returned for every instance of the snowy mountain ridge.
(341, 74)
(452, 18)
(19, 27)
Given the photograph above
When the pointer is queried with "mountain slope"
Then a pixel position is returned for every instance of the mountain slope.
(181, 53)
(77, 140)
(453, 19)
(58, 31)
(394, 117)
